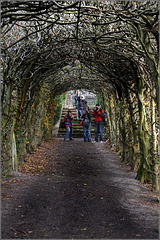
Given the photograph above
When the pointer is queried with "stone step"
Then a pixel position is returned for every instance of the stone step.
(74, 136)
(75, 124)
(77, 135)
(73, 112)
(75, 130)
(74, 115)
(73, 108)
(65, 112)
(75, 120)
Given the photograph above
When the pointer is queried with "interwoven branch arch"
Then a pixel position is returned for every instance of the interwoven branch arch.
(110, 48)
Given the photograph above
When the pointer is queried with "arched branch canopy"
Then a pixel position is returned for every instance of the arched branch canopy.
(108, 47)
(108, 39)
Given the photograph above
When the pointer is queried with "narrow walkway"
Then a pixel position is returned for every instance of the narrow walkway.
(82, 192)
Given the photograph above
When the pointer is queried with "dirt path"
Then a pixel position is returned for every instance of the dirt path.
(78, 191)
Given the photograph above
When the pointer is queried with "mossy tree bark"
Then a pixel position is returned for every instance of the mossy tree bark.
(16, 116)
(116, 117)
(7, 102)
(144, 170)
(154, 149)
(123, 130)
(109, 119)
(133, 125)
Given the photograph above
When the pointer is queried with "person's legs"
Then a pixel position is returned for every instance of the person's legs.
(80, 113)
(77, 113)
(89, 132)
(71, 133)
(67, 133)
(85, 137)
(96, 132)
(101, 131)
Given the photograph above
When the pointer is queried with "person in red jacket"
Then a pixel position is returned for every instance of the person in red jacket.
(98, 113)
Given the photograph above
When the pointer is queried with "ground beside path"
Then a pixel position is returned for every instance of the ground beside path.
(77, 190)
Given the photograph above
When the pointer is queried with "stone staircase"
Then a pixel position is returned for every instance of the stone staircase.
(77, 129)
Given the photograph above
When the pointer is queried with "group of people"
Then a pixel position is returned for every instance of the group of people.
(84, 115)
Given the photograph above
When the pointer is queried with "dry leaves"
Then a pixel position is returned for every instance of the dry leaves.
(42, 161)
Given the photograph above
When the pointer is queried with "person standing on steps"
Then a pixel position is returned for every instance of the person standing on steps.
(68, 118)
(86, 117)
(98, 114)
(83, 104)
(76, 103)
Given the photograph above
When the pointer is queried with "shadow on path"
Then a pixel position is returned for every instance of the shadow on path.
(84, 194)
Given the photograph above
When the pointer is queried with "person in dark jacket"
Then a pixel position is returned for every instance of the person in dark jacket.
(98, 113)
(68, 118)
(83, 104)
(86, 117)
(76, 103)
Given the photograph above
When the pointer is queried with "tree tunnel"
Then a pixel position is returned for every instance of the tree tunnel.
(109, 48)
